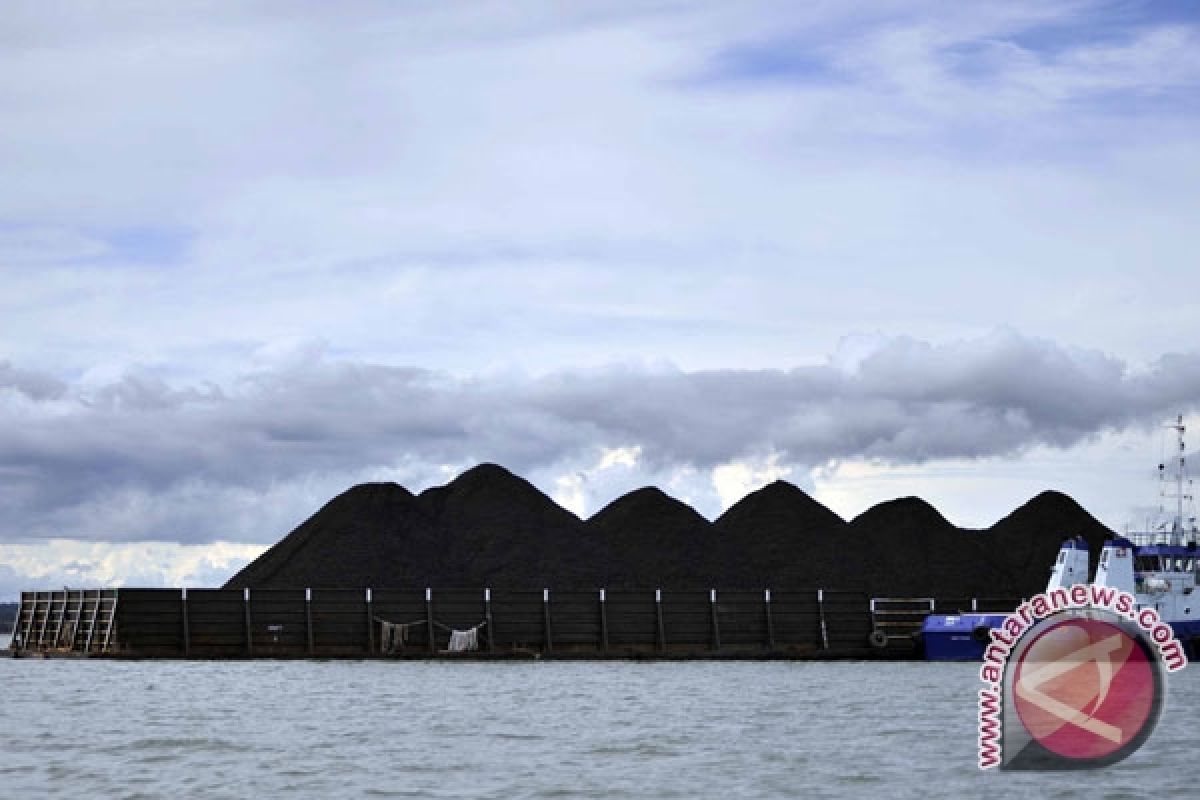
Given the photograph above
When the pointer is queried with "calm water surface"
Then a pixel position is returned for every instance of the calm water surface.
(530, 730)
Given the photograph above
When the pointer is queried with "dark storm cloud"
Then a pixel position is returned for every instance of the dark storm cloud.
(98, 462)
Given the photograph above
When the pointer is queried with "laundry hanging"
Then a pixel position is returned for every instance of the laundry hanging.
(462, 641)
(393, 637)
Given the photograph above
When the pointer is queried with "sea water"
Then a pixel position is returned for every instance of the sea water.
(538, 729)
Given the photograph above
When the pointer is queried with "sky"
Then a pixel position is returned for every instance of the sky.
(252, 254)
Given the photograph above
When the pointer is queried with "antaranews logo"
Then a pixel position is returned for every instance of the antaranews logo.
(1074, 679)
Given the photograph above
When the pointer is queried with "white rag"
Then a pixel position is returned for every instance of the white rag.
(461, 641)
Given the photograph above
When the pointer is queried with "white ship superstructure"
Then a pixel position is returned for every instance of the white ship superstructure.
(1160, 565)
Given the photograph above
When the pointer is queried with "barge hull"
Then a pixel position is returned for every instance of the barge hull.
(421, 623)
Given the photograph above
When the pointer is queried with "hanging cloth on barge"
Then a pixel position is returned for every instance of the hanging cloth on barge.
(393, 637)
(462, 641)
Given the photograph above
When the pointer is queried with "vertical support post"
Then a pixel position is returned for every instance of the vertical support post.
(76, 615)
(661, 632)
(65, 620)
(112, 621)
(770, 623)
(77, 638)
(25, 637)
(429, 619)
(603, 623)
(77, 620)
(61, 625)
(370, 601)
(45, 615)
(249, 624)
(62, 612)
(87, 647)
(487, 615)
(58, 624)
(31, 639)
(49, 613)
(77, 631)
(716, 625)
(62, 618)
(546, 620)
(821, 610)
(308, 630)
(45, 619)
(183, 614)
(61, 621)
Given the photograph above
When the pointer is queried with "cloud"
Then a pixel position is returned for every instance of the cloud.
(54, 564)
(31, 385)
(432, 185)
(223, 230)
(139, 458)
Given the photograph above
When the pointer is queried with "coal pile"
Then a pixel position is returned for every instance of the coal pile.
(489, 527)
(655, 540)
(779, 536)
(1028, 537)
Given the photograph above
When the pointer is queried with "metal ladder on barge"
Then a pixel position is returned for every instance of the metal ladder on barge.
(82, 621)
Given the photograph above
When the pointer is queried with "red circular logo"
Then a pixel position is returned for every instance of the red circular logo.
(1084, 689)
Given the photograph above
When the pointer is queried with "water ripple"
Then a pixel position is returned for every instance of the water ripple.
(529, 730)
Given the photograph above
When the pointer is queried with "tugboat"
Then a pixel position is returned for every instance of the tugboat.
(1159, 566)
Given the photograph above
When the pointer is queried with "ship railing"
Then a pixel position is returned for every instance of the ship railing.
(1146, 539)
(899, 618)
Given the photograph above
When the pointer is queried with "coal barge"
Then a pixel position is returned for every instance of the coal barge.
(489, 567)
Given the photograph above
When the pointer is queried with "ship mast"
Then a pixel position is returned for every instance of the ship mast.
(1177, 527)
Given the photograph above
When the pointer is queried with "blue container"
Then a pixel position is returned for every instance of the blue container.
(958, 637)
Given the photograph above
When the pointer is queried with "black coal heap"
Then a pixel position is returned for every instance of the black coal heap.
(489, 527)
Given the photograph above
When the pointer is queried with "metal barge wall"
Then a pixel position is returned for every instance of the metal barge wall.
(348, 623)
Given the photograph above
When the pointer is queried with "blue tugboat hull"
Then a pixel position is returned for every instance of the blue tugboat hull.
(963, 637)
(958, 637)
